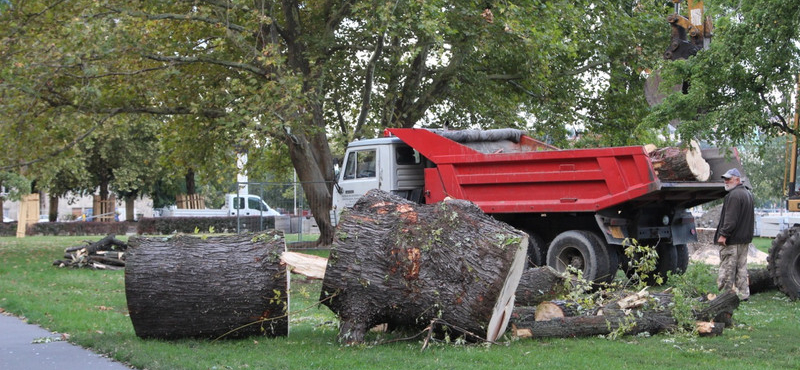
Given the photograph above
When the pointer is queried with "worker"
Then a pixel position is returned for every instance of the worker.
(734, 234)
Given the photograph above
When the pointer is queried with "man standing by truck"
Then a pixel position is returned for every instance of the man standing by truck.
(734, 234)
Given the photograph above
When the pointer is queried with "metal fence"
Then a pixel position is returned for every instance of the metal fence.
(289, 200)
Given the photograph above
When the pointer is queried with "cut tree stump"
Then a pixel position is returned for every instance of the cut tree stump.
(680, 164)
(186, 286)
(405, 264)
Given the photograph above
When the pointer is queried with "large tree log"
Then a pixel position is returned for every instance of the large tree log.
(760, 280)
(680, 164)
(540, 284)
(188, 286)
(633, 313)
(405, 264)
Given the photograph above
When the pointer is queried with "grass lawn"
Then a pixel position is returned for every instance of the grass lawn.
(90, 306)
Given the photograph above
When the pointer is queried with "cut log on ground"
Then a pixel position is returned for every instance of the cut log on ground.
(540, 284)
(652, 316)
(680, 164)
(186, 286)
(405, 264)
(108, 253)
(760, 280)
(582, 326)
(555, 310)
(720, 309)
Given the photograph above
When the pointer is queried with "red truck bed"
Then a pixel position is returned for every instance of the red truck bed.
(537, 178)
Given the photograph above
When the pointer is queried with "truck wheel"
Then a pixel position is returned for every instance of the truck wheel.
(683, 258)
(783, 262)
(667, 261)
(537, 250)
(581, 250)
(612, 255)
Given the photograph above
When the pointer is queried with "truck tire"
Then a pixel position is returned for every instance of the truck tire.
(612, 254)
(667, 261)
(581, 250)
(537, 250)
(783, 262)
(683, 258)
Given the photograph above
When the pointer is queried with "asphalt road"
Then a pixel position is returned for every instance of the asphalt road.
(29, 347)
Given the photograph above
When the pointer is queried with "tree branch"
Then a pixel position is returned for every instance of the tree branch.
(366, 93)
(58, 151)
(180, 59)
(182, 17)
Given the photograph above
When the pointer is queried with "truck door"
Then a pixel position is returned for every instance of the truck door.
(360, 174)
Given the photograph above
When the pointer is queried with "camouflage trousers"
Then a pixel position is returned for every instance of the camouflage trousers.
(733, 270)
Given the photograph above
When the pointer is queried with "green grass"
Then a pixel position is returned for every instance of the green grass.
(762, 244)
(90, 306)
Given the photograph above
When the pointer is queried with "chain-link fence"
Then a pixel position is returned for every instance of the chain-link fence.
(288, 200)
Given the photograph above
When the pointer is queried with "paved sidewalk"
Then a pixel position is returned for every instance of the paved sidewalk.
(19, 352)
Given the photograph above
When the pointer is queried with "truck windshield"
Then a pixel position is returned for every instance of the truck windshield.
(360, 164)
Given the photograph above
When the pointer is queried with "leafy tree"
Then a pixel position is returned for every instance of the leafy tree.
(294, 77)
(246, 71)
(739, 88)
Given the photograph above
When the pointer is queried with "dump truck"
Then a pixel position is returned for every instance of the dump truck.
(578, 206)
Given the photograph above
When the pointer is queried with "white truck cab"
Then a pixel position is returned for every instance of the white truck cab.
(384, 163)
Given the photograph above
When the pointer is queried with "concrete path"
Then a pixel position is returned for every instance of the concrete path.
(29, 347)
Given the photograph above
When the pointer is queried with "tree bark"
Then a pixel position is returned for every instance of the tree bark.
(760, 280)
(651, 316)
(582, 326)
(405, 264)
(680, 164)
(540, 284)
(232, 286)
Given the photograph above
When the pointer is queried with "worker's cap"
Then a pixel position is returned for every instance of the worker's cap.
(731, 173)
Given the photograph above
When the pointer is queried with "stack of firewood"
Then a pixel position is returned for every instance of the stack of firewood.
(105, 254)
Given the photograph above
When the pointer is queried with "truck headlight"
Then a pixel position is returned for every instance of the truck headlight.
(665, 220)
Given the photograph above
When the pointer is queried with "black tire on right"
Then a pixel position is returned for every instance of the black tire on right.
(783, 262)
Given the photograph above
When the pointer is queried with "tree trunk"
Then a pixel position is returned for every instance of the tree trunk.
(632, 314)
(313, 163)
(52, 214)
(583, 326)
(760, 280)
(129, 210)
(189, 179)
(404, 264)
(207, 287)
(540, 284)
(680, 164)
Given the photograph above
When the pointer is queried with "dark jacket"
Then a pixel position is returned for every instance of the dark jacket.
(737, 219)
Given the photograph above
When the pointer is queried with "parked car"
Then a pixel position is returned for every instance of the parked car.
(6, 219)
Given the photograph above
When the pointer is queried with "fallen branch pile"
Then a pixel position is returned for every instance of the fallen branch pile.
(108, 253)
